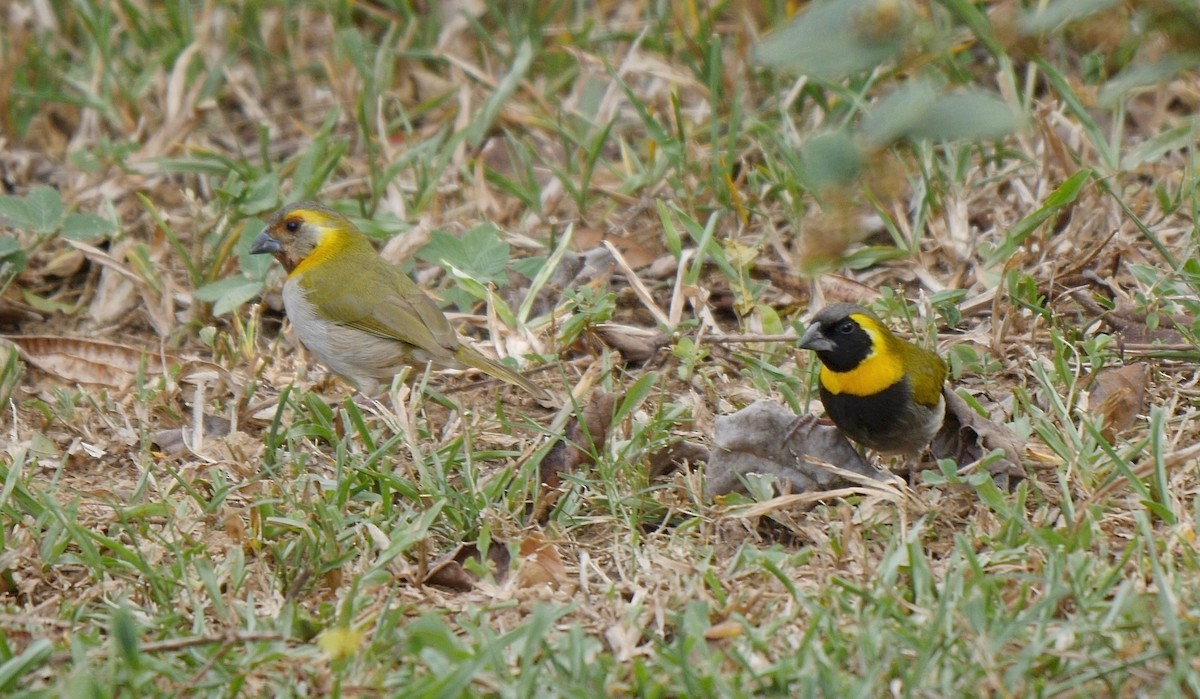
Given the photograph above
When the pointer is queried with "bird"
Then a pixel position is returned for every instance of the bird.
(881, 391)
(362, 317)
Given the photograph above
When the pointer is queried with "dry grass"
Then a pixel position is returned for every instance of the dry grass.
(138, 560)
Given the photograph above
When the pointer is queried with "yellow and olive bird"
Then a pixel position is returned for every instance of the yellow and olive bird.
(881, 391)
(362, 317)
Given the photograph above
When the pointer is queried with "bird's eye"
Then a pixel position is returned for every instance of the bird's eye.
(845, 327)
(292, 226)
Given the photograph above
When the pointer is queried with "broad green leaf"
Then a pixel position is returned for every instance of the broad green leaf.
(772, 324)
(1145, 74)
(15, 212)
(1049, 16)
(262, 194)
(899, 113)
(830, 160)
(8, 245)
(45, 209)
(970, 115)
(837, 38)
(255, 266)
(529, 267)
(479, 253)
(86, 227)
(468, 283)
(14, 263)
(229, 294)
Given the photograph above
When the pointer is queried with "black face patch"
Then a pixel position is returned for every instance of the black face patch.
(852, 344)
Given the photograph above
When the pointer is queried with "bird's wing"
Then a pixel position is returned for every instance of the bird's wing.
(398, 310)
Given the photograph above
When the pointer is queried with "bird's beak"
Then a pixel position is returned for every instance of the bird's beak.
(815, 341)
(264, 243)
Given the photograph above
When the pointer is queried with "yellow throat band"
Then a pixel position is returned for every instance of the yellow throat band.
(334, 241)
(882, 368)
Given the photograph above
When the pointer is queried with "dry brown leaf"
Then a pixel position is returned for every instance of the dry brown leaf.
(1134, 329)
(121, 289)
(723, 630)
(1118, 396)
(77, 360)
(636, 253)
(88, 361)
(540, 563)
(116, 294)
(575, 448)
(836, 288)
(64, 263)
(635, 344)
(966, 436)
(176, 440)
(449, 571)
(678, 455)
(14, 311)
(769, 439)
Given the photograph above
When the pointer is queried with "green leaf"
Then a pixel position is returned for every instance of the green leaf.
(971, 115)
(1143, 75)
(255, 266)
(899, 113)
(830, 160)
(482, 124)
(1179, 138)
(15, 212)
(772, 324)
(262, 194)
(635, 394)
(1049, 16)
(837, 39)
(229, 294)
(125, 633)
(86, 227)
(872, 255)
(8, 245)
(978, 23)
(479, 253)
(45, 209)
(529, 267)
(1076, 106)
(1058, 199)
(916, 111)
(543, 272)
(34, 656)
(13, 258)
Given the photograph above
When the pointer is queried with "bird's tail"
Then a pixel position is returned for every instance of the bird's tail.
(475, 360)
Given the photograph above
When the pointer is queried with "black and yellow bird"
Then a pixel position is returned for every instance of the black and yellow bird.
(881, 391)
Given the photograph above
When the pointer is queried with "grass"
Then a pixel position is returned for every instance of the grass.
(1025, 196)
